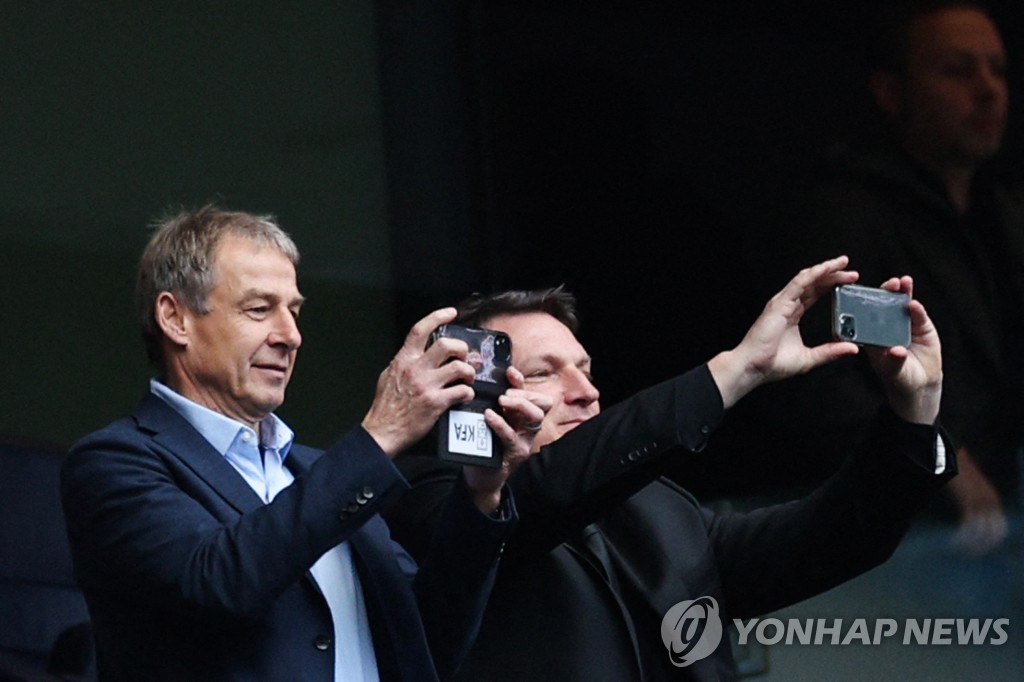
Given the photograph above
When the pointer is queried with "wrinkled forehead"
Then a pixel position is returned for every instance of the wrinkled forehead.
(240, 261)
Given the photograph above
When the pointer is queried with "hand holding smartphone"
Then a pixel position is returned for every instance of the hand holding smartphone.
(462, 434)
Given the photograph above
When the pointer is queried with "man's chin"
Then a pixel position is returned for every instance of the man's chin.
(270, 402)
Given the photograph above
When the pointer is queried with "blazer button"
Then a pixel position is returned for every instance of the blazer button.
(352, 508)
(322, 642)
(368, 493)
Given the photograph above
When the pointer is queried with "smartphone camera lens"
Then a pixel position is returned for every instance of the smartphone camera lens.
(847, 328)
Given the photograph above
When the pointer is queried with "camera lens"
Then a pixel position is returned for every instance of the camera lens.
(847, 328)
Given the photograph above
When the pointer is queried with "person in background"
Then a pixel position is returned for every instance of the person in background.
(922, 191)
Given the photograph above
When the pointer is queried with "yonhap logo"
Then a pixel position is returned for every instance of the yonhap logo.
(691, 630)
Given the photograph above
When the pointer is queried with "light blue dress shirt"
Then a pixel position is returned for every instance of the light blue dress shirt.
(267, 475)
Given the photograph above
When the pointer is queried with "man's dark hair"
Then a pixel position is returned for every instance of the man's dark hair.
(555, 301)
(891, 40)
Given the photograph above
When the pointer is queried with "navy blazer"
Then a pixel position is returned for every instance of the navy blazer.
(189, 575)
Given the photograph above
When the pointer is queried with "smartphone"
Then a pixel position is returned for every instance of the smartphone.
(870, 317)
(462, 434)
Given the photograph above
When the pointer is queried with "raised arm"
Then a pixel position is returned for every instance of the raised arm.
(773, 348)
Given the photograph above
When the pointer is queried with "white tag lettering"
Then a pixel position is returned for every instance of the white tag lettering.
(468, 434)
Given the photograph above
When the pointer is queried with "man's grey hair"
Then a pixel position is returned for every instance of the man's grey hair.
(179, 259)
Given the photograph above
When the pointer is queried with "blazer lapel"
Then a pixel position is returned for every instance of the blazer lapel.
(175, 435)
(300, 458)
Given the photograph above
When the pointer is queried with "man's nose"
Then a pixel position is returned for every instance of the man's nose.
(579, 388)
(990, 83)
(285, 331)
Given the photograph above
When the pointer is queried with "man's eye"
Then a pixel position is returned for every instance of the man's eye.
(539, 375)
(258, 310)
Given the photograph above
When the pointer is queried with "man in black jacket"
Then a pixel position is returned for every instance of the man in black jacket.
(607, 547)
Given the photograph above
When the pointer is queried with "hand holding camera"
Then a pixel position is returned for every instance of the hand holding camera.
(491, 432)
(900, 339)
(462, 432)
(912, 374)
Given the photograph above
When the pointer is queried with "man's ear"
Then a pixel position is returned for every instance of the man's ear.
(887, 90)
(171, 315)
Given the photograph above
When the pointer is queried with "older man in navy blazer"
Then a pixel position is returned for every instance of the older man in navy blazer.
(210, 546)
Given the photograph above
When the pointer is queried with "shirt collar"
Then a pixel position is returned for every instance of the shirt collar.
(221, 431)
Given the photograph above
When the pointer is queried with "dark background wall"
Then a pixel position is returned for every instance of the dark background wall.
(109, 115)
(417, 151)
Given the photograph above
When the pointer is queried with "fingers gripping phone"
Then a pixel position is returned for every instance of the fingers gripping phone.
(462, 434)
(870, 317)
